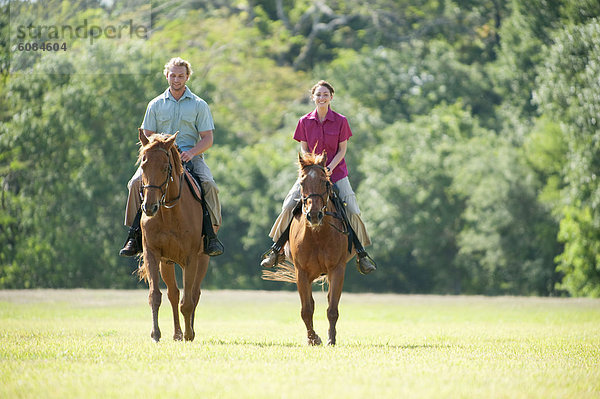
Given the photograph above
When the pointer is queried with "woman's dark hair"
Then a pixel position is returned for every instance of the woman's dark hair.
(323, 83)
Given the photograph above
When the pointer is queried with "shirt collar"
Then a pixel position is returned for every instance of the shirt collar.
(168, 96)
(330, 116)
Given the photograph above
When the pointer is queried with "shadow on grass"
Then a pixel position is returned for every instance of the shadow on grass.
(245, 342)
(274, 344)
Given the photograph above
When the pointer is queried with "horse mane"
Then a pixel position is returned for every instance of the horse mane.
(309, 159)
(159, 140)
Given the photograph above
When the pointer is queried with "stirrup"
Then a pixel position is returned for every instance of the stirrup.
(367, 266)
(269, 255)
(213, 247)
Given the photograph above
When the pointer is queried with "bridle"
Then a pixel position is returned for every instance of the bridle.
(163, 202)
(324, 196)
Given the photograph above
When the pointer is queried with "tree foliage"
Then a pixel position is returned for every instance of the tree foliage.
(474, 156)
(568, 91)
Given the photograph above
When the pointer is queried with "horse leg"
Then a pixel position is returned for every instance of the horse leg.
(336, 282)
(155, 296)
(200, 274)
(308, 306)
(167, 271)
(187, 301)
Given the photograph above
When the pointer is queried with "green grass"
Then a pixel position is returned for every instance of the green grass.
(83, 343)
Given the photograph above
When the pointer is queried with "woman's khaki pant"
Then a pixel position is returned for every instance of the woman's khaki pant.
(347, 196)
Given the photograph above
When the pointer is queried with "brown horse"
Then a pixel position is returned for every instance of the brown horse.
(171, 232)
(317, 246)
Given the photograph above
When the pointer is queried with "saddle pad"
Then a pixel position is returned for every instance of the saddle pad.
(194, 185)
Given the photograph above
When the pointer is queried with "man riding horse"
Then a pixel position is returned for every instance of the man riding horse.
(178, 109)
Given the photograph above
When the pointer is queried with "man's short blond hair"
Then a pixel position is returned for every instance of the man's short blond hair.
(177, 61)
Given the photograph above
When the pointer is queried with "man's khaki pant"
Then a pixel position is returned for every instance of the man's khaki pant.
(211, 191)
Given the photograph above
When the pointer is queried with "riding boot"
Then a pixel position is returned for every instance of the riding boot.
(133, 245)
(212, 245)
(274, 255)
(364, 262)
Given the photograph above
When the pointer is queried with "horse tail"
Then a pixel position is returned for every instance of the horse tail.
(286, 272)
(141, 272)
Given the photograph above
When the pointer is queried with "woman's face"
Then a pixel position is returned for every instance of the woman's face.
(322, 97)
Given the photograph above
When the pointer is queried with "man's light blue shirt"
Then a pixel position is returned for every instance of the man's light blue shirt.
(189, 116)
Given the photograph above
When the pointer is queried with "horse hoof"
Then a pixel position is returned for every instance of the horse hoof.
(178, 337)
(155, 336)
(189, 337)
(331, 342)
(314, 341)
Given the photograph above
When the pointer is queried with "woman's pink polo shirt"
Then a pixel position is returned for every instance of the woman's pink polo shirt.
(325, 136)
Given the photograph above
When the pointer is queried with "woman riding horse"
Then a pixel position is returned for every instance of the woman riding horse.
(323, 131)
(318, 245)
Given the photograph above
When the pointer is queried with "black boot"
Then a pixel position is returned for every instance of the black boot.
(364, 263)
(274, 255)
(212, 245)
(133, 245)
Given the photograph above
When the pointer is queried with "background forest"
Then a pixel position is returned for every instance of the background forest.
(475, 156)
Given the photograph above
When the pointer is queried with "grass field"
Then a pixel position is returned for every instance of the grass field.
(84, 343)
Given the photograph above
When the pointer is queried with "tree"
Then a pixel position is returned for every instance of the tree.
(568, 93)
(453, 209)
(65, 161)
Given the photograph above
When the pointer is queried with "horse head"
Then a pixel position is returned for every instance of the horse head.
(159, 160)
(315, 186)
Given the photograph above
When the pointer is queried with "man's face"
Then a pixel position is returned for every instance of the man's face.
(177, 77)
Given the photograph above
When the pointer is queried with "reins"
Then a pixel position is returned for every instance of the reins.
(163, 201)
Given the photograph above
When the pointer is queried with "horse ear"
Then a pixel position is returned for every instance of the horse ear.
(300, 159)
(323, 160)
(171, 139)
(142, 136)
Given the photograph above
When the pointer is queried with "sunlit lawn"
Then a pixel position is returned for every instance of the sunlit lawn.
(82, 343)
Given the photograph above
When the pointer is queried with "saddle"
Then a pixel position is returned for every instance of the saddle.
(194, 185)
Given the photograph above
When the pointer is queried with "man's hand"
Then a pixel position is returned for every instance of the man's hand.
(187, 156)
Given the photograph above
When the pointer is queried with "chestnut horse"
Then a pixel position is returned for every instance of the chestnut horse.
(317, 245)
(171, 232)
